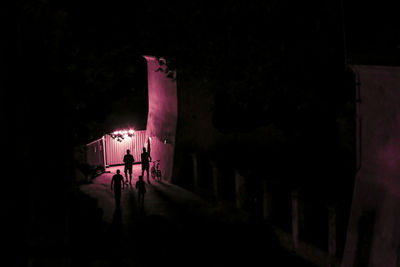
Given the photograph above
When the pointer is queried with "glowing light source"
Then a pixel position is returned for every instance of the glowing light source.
(120, 135)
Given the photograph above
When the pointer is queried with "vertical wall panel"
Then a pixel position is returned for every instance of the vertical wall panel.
(116, 150)
(95, 153)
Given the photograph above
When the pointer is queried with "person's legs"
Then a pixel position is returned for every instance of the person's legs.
(142, 199)
(147, 171)
(126, 173)
(130, 175)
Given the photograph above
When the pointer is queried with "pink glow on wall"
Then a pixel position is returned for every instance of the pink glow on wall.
(162, 115)
(115, 150)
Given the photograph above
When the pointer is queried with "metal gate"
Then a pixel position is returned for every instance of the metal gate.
(95, 153)
(115, 150)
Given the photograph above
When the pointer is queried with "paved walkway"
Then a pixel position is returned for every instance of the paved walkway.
(162, 199)
(176, 227)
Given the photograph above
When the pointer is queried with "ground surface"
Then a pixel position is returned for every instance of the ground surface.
(175, 228)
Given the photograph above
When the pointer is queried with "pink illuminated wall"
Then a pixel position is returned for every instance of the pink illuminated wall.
(116, 150)
(162, 115)
(373, 237)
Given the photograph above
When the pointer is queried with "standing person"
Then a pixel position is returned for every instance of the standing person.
(128, 160)
(116, 182)
(141, 187)
(145, 163)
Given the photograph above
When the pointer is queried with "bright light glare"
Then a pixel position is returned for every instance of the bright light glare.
(122, 134)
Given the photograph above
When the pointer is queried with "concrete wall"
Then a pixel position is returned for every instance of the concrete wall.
(197, 134)
(162, 115)
(373, 237)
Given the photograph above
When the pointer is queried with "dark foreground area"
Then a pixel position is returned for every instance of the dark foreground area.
(175, 228)
(154, 241)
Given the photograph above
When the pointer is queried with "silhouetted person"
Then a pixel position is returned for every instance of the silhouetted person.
(116, 182)
(145, 163)
(141, 187)
(128, 160)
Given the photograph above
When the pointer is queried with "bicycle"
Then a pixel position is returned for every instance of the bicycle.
(155, 171)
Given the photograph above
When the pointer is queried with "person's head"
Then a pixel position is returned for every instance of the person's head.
(118, 171)
(144, 149)
(140, 177)
(128, 151)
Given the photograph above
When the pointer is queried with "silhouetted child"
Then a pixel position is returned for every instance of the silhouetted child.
(141, 187)
(116, 182)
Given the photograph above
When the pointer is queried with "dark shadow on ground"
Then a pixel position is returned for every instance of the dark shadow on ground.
(156, 241)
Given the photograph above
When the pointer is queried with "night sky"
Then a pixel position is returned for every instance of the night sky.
(92, 51)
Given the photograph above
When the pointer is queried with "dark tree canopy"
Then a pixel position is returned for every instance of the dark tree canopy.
(266, 61)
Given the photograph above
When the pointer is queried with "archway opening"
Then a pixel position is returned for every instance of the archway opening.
(149, 110)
